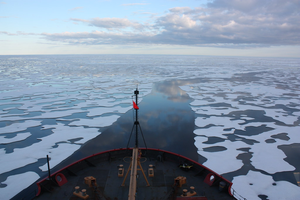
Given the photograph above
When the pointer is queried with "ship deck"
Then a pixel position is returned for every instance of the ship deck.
(104, 168)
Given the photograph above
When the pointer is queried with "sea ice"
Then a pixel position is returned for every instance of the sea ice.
(207, 110)
(215, 131)
(96, 122)
(61, 134)
(47, 115)
(216, 103)
(267, 157)
(225, 122)
(17, 183)
(102, 110)
(227, 86)
(109, 102)
(255, 183)
(19, 126)
(281, 116)
(17, 138)
(221, 161)
(60, 153)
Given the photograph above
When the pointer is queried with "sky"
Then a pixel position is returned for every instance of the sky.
(268, 28)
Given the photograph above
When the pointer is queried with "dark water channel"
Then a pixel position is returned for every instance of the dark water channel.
(166, 120)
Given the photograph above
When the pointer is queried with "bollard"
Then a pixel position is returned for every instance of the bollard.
(184, 192)
(77, 189)
(83, 192)
(192, 191)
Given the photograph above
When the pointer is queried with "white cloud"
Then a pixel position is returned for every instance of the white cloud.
(15, 34)
(98, 37)
(174, 21)
(110, 23)
(180, 9)
(229, 24)
(76, 8)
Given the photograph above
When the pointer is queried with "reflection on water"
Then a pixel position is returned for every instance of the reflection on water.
(166, 120)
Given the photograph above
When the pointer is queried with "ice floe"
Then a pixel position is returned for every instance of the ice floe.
(16, 183)
(59, 153)
(269, 158)
(96, 122)
(221, 161)
(17, 138)
(102, 110)
(63, 133)
(255, 183)
(19, 126)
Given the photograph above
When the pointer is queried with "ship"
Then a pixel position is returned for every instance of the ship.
(133, 173)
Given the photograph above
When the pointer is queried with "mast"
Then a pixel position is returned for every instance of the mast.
(136, 123)
(135, 163)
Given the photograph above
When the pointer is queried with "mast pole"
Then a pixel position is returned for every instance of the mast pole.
(135, 163)
(136, 123)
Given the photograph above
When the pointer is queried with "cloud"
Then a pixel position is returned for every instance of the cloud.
(275, 7)
(110, 23)
(16, 34)
(180, 9)
(229, 24)
(246, 6)
(6, 33)
(173, 22)
(98, 38)
(76, 8)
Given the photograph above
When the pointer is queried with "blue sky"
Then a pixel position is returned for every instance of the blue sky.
(195, 27)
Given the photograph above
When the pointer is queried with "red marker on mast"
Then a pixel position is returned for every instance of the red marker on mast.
(135, 106)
